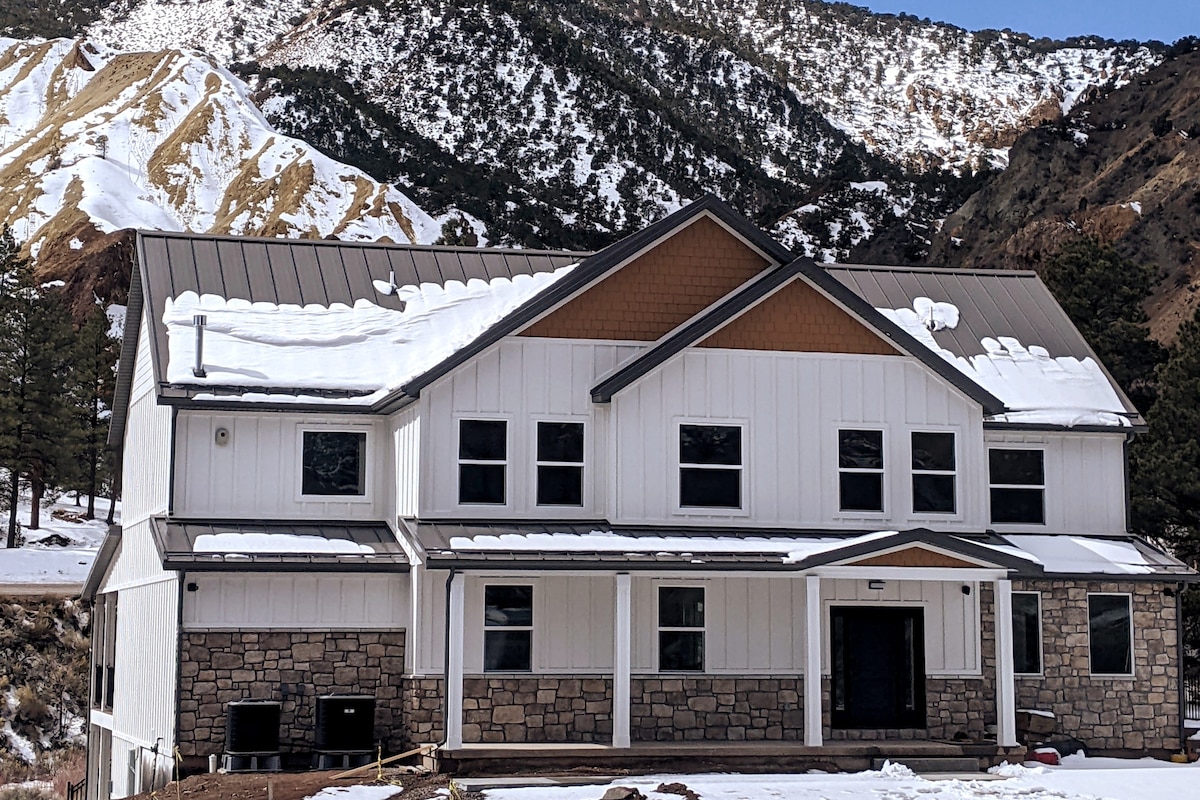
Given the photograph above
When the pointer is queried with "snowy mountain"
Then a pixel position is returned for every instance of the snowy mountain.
(96, 140)
(567, 123)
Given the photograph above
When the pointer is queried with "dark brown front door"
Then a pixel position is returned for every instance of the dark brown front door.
(878, 667)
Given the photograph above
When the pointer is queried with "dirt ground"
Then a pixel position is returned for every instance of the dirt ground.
(297, 786)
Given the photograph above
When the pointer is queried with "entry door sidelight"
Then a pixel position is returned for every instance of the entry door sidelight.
(878, 665)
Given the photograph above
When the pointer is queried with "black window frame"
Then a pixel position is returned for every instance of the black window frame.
(1092, 637)
(998, 490)
(682, 632)
(543, 466)
(692, 473)
(307, 490)
(846, 474)
(1022, 644)
(480, 466)
(930, 473)
(504, 638)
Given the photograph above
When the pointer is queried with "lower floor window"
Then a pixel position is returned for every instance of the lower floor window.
(681, 628)
(1110, 634)
(1027, 633)
(508, 628)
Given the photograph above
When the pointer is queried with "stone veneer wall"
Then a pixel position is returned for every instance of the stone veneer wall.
(1139, 714)
(424, 710)
(293, 667)
(717, 709)
(545, 708)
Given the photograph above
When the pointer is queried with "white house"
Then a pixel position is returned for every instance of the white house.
(688, 489)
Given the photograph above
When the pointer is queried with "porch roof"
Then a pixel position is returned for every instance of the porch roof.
(201, 545)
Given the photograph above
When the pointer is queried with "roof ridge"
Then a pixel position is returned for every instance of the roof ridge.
(1010, 273)
(372, 245)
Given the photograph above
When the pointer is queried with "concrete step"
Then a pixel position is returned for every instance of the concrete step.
(923, 765)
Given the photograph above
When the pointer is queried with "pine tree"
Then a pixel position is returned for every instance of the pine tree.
(36, 348)
(93, 380)
(1103, 293)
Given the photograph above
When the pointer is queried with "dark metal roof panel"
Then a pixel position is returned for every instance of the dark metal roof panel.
(333, 274)
(308, 274)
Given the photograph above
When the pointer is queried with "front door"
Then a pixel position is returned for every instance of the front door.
(878, 665)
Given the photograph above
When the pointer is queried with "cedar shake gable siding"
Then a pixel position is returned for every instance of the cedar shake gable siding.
(799, 319)
(659, 290)
(914, 557)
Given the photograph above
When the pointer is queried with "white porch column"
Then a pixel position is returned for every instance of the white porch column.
(622, 661)
(454, 665)
(812, 661)
(1006, 720)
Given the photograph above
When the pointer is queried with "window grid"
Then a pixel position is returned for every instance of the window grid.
(951, 472)
(491, 627)
(845, 472)
(467, 465)
(716, 466)
(695, 632)
(551, 464)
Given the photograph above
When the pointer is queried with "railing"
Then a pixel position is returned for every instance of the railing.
(1191, 693)
(76, 791)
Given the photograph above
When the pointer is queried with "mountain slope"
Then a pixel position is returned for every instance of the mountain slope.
(582, 120)
(1124, 167)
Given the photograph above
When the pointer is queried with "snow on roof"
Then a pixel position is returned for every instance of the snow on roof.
(1081, 554)
(364, 348)
(608, 542)
(276, 543)
(1035, 386)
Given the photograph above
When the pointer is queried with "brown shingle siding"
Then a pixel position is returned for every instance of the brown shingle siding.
(659, 290)
(798, 318)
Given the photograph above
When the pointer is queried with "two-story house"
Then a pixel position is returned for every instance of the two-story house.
(687, 489)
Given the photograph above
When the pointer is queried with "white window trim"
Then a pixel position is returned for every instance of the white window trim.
(484, 627)
(509, 492)
(1132, 653)
(583, 465)
(658, 628)
(368, 477)
(1041, 639)
(676, 483)
(957, 513)
(1041, 448)
(886, 496)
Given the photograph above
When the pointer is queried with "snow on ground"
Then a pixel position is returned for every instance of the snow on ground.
(1078, 779)
(41, 563)
(355, 793)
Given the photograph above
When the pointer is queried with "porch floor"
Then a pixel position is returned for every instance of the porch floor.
(846, 756)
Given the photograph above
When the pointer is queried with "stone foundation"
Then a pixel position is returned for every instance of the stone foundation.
(424, 710)
(292, 667)
(717, 709)
(545, 708)
(1107, 714)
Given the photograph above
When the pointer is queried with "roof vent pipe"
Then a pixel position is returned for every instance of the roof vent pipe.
(199, 321)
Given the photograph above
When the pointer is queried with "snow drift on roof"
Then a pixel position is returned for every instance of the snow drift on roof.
(609, 542)
(1083, 555)
(276, 543)
(1035, 386)
(364, 348)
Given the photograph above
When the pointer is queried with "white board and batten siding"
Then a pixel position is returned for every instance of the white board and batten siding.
(147, 637)
(295, 601)
(521, 381)
(256, 473)
(405, 430)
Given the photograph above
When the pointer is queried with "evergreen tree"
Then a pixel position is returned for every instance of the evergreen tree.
(1103, 293)
(36, 348)
(93, 381)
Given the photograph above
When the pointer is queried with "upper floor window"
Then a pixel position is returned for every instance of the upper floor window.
(860, 470)
(1027, 633)
(482, 460)
(1018, 485)
(710, 466)
(333, 463)
(933, 490)
(560, 463)
(508, 628)
(1110, 634)
(681, 628)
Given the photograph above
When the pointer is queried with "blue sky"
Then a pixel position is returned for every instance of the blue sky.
(1165, 20)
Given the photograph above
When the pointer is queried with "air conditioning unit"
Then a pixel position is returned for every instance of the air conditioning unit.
(345, 734)
(251, 736)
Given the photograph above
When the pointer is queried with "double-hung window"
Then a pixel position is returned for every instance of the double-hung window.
(860, 470)
(1027, 633)
(933, 490)
(1018, 486)
(507, 628)
(681, 628)
(333, 463)
(710, 466)
(560, 463)
(1110, 634)
(482, 461)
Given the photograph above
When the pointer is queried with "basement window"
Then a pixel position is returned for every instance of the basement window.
(508, 628)
(482, 461)
(933, 470)
(560, 463)
(333, 463)
(860, 470)
(681, 628)
(1110, 634)
(1018, 486)
(710, 466)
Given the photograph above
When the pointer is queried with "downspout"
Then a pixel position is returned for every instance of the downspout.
(171, 466)
(446, 665)
(182, 581)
